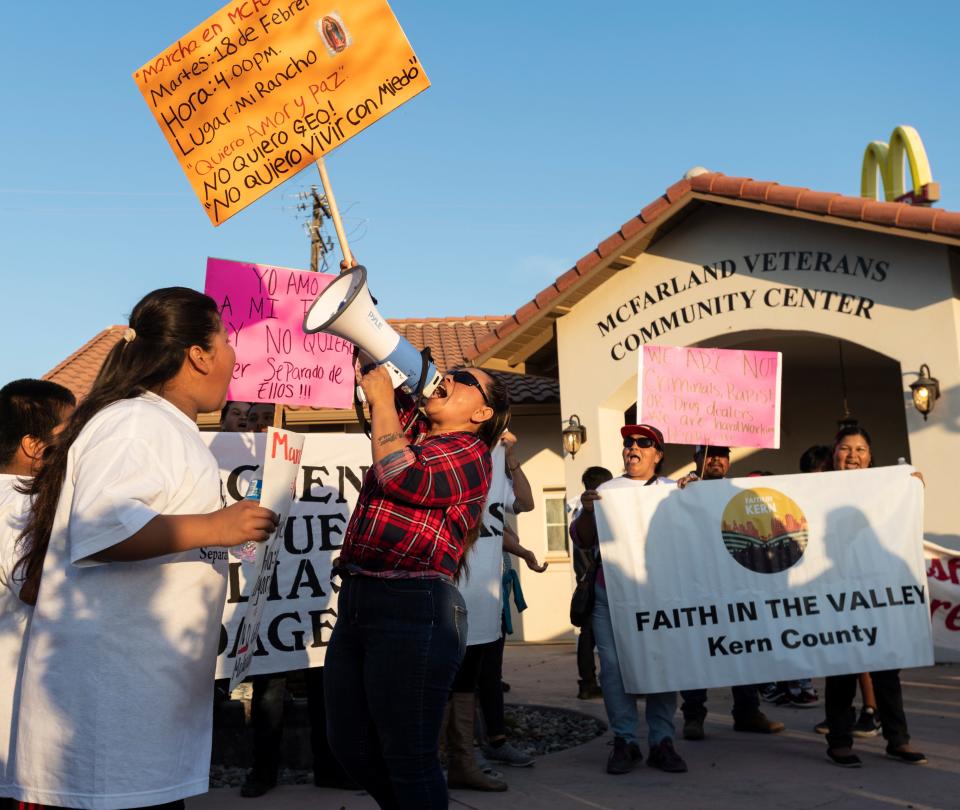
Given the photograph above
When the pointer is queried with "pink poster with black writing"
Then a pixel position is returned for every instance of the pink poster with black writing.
(721, 397)
(262, 308)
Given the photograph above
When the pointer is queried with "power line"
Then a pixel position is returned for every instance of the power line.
(321, 243)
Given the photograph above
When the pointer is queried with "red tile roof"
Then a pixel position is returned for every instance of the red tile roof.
(449, 338)
(80, 369)
(901, 218)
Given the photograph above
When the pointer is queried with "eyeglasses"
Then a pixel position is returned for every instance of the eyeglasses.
(641, 441)
(465, 377)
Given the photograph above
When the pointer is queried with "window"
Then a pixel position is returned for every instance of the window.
(555, 509)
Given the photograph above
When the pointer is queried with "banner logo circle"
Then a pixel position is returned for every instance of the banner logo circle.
(764, 530)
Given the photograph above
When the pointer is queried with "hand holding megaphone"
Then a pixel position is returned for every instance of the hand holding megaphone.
(376, 385)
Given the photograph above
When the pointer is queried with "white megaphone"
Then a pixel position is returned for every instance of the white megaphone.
(345, 309)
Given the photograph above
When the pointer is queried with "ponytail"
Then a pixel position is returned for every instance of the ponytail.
(163, 326)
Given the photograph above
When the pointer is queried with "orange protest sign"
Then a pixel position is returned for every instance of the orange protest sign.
(263, 88)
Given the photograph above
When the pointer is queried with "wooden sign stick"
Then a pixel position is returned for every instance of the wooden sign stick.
(334, 212)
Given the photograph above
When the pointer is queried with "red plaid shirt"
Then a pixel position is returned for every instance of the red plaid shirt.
(417, 505)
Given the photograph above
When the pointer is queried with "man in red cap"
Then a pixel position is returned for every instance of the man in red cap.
(642, 459)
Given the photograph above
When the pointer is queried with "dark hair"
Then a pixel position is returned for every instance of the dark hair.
(30, 408)
(164, 324)
(818, 458)
(225, 409)
(489, 432)
(499, 399)
(595, 476)
(852, 430)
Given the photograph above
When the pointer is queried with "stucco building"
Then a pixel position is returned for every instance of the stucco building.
(856, 294)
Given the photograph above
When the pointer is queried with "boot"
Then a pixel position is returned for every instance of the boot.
(462, 770)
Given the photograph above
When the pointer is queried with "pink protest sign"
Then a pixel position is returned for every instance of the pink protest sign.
(262, 308)
(722, 397)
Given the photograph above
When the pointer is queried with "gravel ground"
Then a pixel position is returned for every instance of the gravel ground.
(535, 730)
(539, 730)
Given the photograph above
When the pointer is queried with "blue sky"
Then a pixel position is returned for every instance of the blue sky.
(547, 125)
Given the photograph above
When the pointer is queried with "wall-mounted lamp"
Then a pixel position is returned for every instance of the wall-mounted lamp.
(926, 391)
(574, 435)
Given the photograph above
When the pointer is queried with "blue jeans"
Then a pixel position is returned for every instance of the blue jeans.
(393, 654)
(621, 707)
(746, 702)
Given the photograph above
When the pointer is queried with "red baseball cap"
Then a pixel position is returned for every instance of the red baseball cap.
(643, 430)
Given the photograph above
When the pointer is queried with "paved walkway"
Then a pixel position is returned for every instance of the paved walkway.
(727, 770)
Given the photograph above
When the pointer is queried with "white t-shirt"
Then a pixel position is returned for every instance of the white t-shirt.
(13, 613)
(481, 586)
(117, 682)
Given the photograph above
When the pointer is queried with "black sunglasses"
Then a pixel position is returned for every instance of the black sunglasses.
(642, 441)
(465, 377)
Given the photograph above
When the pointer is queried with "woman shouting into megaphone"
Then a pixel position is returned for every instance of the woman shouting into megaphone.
(401, 623)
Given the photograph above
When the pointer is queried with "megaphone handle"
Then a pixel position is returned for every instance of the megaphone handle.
(334, 211)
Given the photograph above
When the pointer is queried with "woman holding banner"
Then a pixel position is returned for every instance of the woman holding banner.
(853, 450)
(117, 676)
(401, 623)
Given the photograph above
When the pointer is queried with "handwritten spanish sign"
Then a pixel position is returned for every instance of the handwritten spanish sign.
(281, 466)
(263, 88)
(711, 396)
(262, 308)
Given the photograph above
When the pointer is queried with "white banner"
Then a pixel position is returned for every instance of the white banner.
(763, 579)
(281, 466)
(482, 584)
(943, 574)
(300, 608)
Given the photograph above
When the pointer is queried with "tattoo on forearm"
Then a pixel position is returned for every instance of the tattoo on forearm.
(390, 437)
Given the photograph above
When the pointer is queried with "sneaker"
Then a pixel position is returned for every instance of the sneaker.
(588, 691)
(773, 693)
(665, 757)
(804, 699)
(822, 727)
(904, 754)
(693, 728)
(757, 723)
(868, 724)
(844, 760)
(625, 757)
(485, 766)
(506, 754)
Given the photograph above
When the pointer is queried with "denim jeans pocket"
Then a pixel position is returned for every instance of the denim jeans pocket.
(409, 601)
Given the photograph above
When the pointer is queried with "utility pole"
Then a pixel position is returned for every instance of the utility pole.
(320, 210)
(317, 245)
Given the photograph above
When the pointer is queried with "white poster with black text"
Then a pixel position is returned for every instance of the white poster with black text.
(481, 584)
(943, 574)
(754, 580)
(300, 608)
